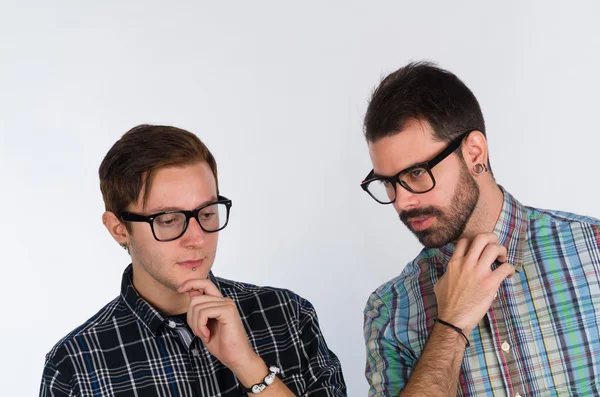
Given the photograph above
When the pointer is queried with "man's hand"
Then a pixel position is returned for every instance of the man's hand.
(466, 291)
(216, 321)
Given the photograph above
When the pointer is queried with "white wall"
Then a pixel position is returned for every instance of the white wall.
(277, 90)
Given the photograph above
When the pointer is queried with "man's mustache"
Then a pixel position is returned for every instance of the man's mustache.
(405, 216)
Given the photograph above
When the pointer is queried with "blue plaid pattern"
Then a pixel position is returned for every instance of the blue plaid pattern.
(540, 337)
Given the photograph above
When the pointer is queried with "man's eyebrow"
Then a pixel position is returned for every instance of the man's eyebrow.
(376, 175)
(168, 208)
(162, 209)
(403, 169)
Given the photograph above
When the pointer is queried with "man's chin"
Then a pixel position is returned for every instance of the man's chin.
(432, 244)
(429, 239)
(196, 275)
(189, 276)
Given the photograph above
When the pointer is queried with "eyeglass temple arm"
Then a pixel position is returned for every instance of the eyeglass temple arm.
(128, 216)
(446, 152)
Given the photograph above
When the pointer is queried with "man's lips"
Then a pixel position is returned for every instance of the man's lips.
(421, 222)
(191, 263)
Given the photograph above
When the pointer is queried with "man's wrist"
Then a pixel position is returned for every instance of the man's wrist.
(457, 320)
(450, 338)
(251, 371)
(454, 327)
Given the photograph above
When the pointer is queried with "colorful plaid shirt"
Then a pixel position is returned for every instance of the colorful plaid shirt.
(130, 349)
(540, 337)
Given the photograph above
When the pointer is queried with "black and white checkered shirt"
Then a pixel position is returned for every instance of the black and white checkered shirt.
(130, 349)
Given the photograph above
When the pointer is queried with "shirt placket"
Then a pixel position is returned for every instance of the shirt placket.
(206, 379)
(196, 358)
(504, 344)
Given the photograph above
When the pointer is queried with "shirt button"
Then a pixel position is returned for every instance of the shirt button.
(196, 352)
(172, 324)
(505, 348)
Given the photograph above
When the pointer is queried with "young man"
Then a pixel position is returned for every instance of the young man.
(504, 300)
(176, 329)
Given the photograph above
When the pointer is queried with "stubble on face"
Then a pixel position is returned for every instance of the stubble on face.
(153, 264)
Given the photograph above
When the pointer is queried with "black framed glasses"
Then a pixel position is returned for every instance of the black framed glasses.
(416, 179)
(170, 225)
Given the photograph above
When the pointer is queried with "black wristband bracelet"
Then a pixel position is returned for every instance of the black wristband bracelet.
(460, 331)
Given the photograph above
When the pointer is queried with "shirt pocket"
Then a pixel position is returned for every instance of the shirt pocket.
(565, 352)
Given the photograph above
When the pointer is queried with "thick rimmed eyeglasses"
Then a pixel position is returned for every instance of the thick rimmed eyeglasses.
(170, 225)
(416, 179)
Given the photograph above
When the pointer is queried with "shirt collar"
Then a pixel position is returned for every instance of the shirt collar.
(511, 229)
(145, 313)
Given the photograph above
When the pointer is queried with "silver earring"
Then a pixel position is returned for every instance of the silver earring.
(479, 168)
(193, 269)
(124, 246)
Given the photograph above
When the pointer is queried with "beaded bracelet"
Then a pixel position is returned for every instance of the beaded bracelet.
(257, 388)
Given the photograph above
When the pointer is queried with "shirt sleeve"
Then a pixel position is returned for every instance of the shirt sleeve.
(54, 383)
(389, 363)
(323, 375)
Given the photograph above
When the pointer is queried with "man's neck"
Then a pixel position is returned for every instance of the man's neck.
(487, 212)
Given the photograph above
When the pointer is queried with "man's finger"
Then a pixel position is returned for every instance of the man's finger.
(462, 246)
(503, 272)
(492, 253)
(206, 305)
(198, 323)
(206, 315)
(204, 285)
(201, 299)
(478, 245)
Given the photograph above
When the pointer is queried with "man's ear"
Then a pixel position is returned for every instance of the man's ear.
(475, 149)
(116, 228)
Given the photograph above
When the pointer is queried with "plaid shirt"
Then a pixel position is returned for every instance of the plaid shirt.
(540, 337)
(130, 349)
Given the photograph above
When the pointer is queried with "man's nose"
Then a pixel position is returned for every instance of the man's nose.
(405, 199)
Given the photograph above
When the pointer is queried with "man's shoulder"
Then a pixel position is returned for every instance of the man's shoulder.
(69, 345)
(539, 215)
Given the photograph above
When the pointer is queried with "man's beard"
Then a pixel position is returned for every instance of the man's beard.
(451, 222)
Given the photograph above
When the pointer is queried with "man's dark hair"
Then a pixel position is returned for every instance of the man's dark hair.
(422, 91)
(127, 171)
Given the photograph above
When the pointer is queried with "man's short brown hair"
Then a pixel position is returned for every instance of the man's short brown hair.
(131, 162)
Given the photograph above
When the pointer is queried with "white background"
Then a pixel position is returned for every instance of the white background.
(277, 90)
